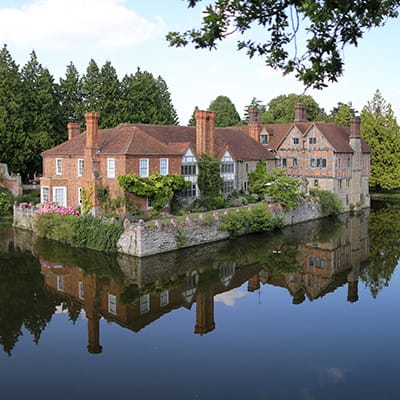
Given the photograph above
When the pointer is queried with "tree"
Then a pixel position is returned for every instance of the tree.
(254, 105)
(70, 91)
(281, 109)
(167, 112)
(225, 112)
(90, 89)
(327, 27)
(41, 114)
(342, 113)
(380, 130)
(11, 124)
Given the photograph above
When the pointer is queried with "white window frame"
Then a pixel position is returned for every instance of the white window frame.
(111, 168)
(112, 303)
(63, 202)
(81, 290)
(164, 166)
(80, 166)
(144, 303)
(164, 298)
(58, 166)
(60, 283)
(45, 194)
(144, 167)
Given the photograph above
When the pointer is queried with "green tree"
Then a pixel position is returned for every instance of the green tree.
(380, 130)
(42, 125)
(192, 120)
(12, 141)
(342, 113)
(325, 27)
(70, 90)
(281, 109)
(90, 89)
(167, 112)
(225, 112)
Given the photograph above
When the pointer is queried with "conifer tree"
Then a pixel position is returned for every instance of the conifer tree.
(225, 112)
(90, 89)
(380, 130)
(70, 90)
(192, 120)
(167, 112)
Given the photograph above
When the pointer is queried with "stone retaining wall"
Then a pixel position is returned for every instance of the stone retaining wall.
(12, 183)
(160, 236)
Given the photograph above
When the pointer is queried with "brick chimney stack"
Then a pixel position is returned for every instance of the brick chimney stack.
(74, 129)
(300, 113)
(92, 126)
(205, 128)
(355, 128)
(255, 123)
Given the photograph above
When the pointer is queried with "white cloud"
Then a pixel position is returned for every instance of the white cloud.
(55, 24)
(229, 298)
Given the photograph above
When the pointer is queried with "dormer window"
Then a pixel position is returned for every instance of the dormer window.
(295, 140)
(264, 138)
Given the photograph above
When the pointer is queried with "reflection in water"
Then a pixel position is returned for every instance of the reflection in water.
(309, 260)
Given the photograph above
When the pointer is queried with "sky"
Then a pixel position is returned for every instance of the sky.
(131, 34)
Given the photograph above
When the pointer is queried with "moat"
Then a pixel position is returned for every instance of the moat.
(307, 313)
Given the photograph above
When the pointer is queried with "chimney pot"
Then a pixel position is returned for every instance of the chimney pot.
(92, 125)
(74, 129)
(300, 113)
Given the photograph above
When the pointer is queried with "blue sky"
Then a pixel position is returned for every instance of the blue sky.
(131, 34)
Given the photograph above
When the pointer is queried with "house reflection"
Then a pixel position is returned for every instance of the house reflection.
(150, 289)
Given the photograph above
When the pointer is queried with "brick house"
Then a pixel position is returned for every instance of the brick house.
(324, 155)
(95, 158)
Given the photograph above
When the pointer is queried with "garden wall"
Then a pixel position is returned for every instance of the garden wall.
(160, 236)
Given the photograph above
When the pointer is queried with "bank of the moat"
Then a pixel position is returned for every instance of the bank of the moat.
(143, 239)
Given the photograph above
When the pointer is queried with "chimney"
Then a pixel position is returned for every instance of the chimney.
(92, 125)
(355, 128)
(255, 123)
(300, 113)
(74, 129)
(205, 132)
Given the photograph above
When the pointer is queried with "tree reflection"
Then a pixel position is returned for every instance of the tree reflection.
(384, 234)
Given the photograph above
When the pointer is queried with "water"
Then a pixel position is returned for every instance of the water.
(310, 313)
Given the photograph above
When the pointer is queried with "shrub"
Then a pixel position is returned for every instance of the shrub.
(6, 202)
(328, 201)
(260, 219)
(235, 222)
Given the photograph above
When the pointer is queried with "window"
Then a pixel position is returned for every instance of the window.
(312, 162)
(112, 303)
(318, 162)
(60, 283)
(164, 298)
(80, 195)
(264, 139)
(81, 292)
(144, 303)
(144, 167)
(45, 194)
(110, 168)
(163, 166)
(284, 162)
(295, 140)
(227, 168)
(58, 166)
(247, 168)
(294, 163)
(60, 195)
(245, 186)
(149, 203)
(228, 187)
(339, 163)
(312, 140)
(188, 169)
(348, 162)
(191, 192)
(80, 166)
(316, 182)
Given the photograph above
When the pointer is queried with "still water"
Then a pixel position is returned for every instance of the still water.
(312, 312)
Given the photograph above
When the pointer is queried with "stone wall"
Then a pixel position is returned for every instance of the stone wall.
(12, 183)
(160, 236)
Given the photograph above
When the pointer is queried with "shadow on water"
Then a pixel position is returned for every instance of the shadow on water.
(309, 260)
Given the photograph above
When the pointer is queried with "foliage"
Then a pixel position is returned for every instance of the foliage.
(79, 231)
(181, 237)
(282, 188)
(381, 131)
(342, 113)
(192, 120)
(31, 196)
(87, 204)
(234, 222)
(281, 109)
(254, 105)
(260, 219)
(225, 112)
(159, 188)
(45, 208)
(6, 202)
(329, 202)
(209, 179)
(320, 29)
